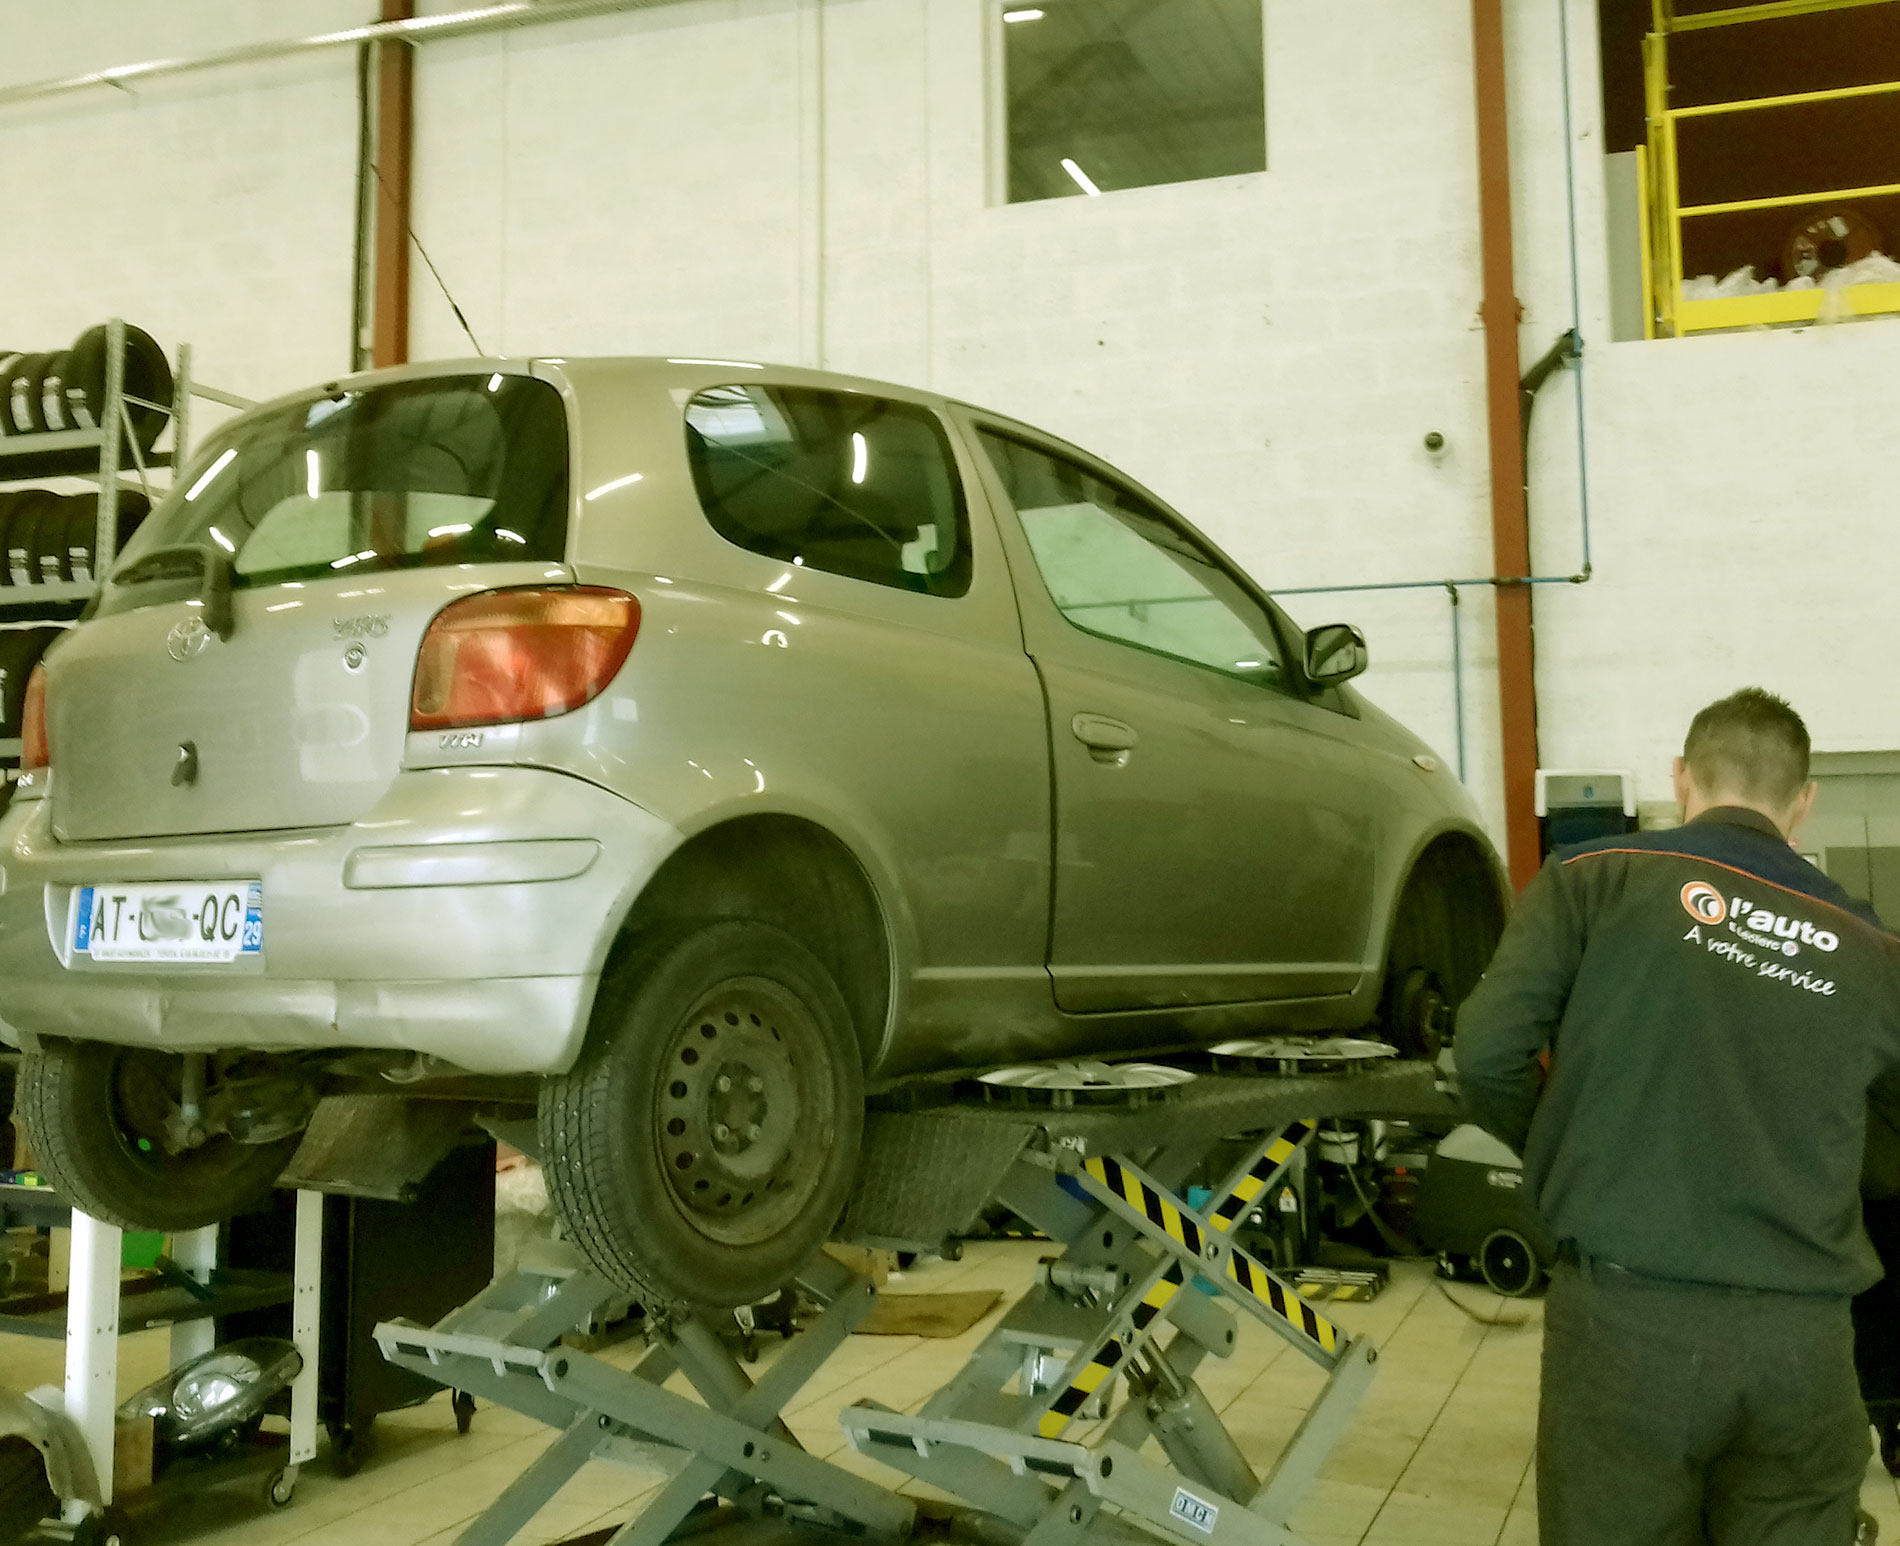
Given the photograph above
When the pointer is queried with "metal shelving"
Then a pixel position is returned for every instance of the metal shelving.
(113, 435)
(118, 467)
(113, 438)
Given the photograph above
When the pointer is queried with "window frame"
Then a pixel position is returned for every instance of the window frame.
(552, 545)
(1291, 682)
(948, 449)
(997, 120)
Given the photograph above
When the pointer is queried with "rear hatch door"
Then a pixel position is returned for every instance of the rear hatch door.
(344, 520)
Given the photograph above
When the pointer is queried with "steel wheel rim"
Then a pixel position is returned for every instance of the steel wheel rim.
(744, 1113)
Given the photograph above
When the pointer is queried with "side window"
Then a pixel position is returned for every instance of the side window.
(854, 485)
(1117, 567)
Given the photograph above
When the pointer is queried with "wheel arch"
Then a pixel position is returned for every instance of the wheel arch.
(68, 1463)
(796, 875)
(1458, 866)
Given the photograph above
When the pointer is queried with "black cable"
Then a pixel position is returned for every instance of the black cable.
(410, 231)
(359, 274)
(1498, 1319)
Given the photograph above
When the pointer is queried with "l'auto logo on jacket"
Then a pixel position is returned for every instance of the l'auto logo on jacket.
(1703, 902)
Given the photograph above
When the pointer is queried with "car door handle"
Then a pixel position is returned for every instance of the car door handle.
(1108, 740)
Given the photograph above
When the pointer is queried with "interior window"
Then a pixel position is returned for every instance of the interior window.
(854, 485)
(1117, 567)
(1107, 94)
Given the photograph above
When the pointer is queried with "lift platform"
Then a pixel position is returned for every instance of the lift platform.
(1044, 1434)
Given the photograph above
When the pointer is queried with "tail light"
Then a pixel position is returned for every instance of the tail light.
(34, 750)
(510, 655)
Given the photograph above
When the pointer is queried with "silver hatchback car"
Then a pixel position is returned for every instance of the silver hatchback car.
(691, 749)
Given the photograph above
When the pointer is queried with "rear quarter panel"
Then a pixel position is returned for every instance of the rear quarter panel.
(911, 727)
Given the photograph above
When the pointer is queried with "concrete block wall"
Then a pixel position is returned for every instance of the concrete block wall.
(813, 181)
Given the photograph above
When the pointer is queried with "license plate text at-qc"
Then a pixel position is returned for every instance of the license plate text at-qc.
(213, 922)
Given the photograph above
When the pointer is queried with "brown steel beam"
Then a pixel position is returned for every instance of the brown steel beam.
(395, 138)
(1510, 530)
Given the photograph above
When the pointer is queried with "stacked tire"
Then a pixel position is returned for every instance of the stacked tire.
(50, 539)
(45, 393)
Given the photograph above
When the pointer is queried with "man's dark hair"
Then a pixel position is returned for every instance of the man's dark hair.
(1749, 744)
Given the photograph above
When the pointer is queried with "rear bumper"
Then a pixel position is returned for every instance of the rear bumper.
(467, 916)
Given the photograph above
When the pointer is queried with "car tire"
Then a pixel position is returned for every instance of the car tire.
(702, 1148)
(90, 1110)
(22, 556)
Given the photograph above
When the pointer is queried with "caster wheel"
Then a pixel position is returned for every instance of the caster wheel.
(105, 1529)
(464, 1408)
(1509, 1265)
(280, 1487)
(953, 1250)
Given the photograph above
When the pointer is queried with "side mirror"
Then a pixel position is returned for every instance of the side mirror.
(1335, 653)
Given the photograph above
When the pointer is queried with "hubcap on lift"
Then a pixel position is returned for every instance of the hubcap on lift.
(744, 1111)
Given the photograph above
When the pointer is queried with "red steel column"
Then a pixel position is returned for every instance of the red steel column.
(1510, 532)
(395, 136)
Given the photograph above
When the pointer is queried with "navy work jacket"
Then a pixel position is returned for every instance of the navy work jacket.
(1716, 1012)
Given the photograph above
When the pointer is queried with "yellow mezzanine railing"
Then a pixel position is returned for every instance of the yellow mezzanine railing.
(1661, 179)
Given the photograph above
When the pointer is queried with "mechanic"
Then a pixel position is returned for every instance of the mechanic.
(1877, 1311)
(1716, 1013)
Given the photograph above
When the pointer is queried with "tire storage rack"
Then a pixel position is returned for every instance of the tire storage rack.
(1042, 1437)
(92, 413)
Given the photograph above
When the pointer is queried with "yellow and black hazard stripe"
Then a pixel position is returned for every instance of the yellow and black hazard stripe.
(1110, 1357)
(1259, 1174)
(1283, 1301)
(1143, 1198)
(1156, 1206)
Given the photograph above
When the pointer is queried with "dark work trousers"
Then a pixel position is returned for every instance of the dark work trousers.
(1673, 1414)
(1877, 1329)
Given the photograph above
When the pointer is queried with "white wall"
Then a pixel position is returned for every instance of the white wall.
(214, 209)
(808, 180)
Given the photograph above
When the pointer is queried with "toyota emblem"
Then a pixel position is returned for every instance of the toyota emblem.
(187, 639)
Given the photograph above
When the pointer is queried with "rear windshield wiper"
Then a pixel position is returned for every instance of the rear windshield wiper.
(214, 594)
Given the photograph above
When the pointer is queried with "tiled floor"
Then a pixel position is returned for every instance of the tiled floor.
(1439, 1454)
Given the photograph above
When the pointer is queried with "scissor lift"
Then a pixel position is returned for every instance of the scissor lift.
(1145, 1289)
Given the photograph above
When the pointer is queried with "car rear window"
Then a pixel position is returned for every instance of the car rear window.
(449, 470)
(841, 481)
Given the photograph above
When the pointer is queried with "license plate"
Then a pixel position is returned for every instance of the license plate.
(222, 921)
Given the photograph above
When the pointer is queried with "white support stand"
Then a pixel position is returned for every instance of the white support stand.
(92, 1331)
(306, 1326)
(197, 1254)
(92, 1341)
